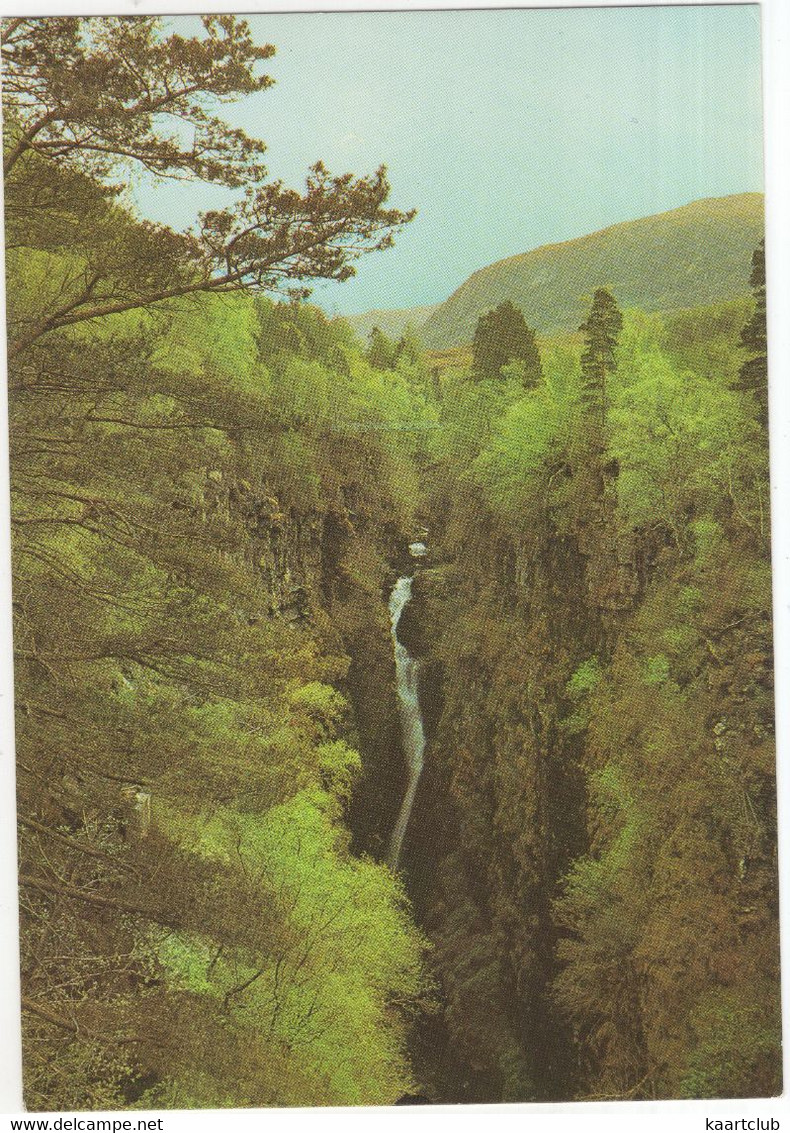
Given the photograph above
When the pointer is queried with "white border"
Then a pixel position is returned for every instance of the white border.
(594, 1116)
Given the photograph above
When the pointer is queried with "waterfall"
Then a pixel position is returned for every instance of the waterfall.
(412, 733)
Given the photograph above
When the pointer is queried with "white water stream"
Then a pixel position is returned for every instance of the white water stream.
(412, 733)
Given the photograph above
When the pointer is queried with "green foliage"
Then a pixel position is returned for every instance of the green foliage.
(601, 330)
(607, 723)
(84, 99)
(192, 484)
(657, 670)
(522, 464)
(501, 337)
(339, 764)
(345, 950)
(148, 550)
(705, 340)
(585, 678)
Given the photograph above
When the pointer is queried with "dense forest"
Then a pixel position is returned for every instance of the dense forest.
(213, 491)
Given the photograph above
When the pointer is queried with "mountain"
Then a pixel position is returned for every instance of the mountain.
(691, 256)
(392, 322)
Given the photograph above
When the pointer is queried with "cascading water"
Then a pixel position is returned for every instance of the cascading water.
(413, 735)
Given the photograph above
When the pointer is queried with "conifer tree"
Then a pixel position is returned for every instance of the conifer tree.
(502, 336)
(753, 376)
(93, 96)
(601, 330)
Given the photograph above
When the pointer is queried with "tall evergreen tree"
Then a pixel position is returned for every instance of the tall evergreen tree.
(601, 331)
(502, 336)
(753, 376)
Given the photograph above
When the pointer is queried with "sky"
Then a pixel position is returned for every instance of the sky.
(506, 130)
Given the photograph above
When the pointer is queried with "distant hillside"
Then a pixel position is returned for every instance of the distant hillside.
(691, 256)
(392, 323)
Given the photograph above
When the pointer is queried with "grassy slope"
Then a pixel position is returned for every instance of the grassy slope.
(691, 256)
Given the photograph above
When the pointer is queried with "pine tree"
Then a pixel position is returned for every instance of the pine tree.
(90, 96)
(601, 330)
(753, 376)
(502, 336)
(88, 93)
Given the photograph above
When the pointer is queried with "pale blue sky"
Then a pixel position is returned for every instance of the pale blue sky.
(505, 129)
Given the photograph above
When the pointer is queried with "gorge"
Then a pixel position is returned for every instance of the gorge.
(579, 792)
(317, 809)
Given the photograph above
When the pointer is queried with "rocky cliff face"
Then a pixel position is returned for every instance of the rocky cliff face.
(502, 625)
(500, 812)
(330, 570)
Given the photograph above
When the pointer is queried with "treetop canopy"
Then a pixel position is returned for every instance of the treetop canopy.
(85, 96)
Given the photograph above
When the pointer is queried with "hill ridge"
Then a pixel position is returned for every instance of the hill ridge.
(687, 256)
(553, 245)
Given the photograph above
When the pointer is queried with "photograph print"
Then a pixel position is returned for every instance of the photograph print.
(390, 524)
